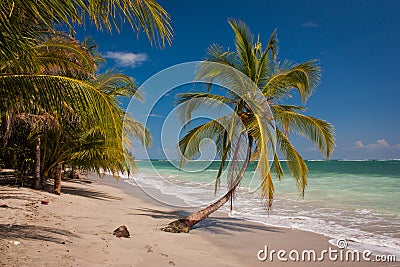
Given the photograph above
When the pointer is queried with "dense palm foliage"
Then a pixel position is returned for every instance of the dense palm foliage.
(24, 25)
(54, 108)
(86, 135)
(21, 20)
(254, 80)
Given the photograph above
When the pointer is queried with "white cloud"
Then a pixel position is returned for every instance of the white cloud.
(381, 143)
(397, 146)
(309, 24)
(125, 59)
(358, 144)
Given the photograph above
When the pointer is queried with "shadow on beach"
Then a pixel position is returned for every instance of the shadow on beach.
(227, 225)
(158, 214)
(89, 193)
(214, 225)
(34, 232)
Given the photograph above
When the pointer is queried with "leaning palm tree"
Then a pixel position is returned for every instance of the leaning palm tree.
(260, 123)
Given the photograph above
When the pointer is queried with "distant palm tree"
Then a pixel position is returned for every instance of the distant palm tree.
(255, 79)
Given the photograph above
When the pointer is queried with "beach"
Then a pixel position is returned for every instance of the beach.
(138, 133)
(75, 229)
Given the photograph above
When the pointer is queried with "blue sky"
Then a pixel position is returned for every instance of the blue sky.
(357, 43)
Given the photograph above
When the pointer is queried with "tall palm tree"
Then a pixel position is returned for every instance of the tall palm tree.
(25, 24)
(87, 120)
(37, 68)
(56, 55)
(95, 146)
(254, 79)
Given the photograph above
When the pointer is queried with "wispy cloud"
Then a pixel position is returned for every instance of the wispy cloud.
(310, 24)
(126, 59)
(313, 148)
(381, 143)
(155, 115)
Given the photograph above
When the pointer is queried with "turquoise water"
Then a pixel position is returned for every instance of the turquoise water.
(355, 200)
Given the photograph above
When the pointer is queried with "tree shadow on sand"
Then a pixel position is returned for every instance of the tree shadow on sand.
(89, 193)
(34, 232)
(159, 214)
(214, 225)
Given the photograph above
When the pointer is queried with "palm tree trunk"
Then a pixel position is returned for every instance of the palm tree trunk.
(57, 179)
(43, 182)
(183, 225)
(37, 182)
(200, 215)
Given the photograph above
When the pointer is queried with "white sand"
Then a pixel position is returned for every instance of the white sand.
(75, 229)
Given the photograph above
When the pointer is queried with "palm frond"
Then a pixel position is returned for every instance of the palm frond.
(263, 70)
(136, 130)
(265, 62)
(216, 53)
(273, 45)
(259, 127)
(244, 46)
(116, 84)
(190, 102)
(189, 145)
(241, 88)
(146, 15)
(304, 77)
(318, 131)
(65, 56)
(297, 167)
(225, 147)
(54, 93)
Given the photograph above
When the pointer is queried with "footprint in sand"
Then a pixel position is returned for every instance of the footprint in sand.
(163, 254)
(171, 263)
(149, 248)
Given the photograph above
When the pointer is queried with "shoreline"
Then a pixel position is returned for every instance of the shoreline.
(367, 218)
(207, 226)
(75, 229)
(153, 195)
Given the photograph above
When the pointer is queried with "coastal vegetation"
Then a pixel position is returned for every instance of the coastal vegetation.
(56, 108)
(254, 131)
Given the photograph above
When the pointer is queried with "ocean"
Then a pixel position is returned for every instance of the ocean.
(354, 200)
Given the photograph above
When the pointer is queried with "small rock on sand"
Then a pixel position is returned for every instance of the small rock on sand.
(121, 231)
